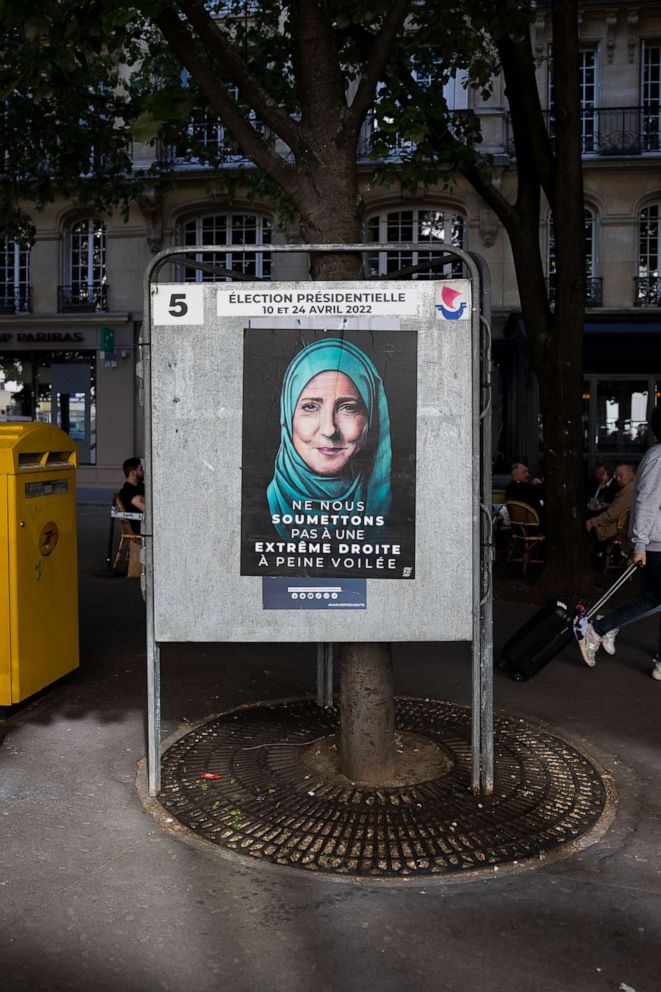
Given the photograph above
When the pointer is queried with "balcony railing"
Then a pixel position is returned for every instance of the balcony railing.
(17, 300)
(82, 299)
(593, 295)
(647, 292)
(204, 139)
(459, 122)
(611, 131)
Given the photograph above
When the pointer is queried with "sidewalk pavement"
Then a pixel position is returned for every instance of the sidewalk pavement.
(96, 897)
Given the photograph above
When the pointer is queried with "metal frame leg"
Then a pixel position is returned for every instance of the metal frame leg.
(325, 658)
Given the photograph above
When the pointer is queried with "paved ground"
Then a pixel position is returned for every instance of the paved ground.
(96, 897)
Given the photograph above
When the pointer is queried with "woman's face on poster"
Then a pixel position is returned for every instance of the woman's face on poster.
(330, 423)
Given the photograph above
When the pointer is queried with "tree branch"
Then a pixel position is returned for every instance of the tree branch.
(570, 220)
(256, 149)
(531, 137)
(440, 137)
(505, 211)
(378, 57)
(321, 83)
(238, 72)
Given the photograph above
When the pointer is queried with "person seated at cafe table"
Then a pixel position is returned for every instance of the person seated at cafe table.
(605, 524)
(523, 490)
(603, 490)
(132, 493)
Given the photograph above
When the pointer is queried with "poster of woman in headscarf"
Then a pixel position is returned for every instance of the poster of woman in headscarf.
(329, 449)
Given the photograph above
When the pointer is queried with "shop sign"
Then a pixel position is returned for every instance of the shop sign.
(41, 337)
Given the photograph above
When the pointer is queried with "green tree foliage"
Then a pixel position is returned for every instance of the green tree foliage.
(442, 143)
(294, 83)
(80, 81)
(61, 101)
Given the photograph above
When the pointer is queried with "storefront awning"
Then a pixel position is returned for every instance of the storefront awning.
(610, 344)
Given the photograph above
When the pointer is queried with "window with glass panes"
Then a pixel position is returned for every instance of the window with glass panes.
(590, 255)
(419, 225)
(648, 284)
(203, 137)
(228, 229)
(455, 94)
(14, 277)
(455, 90)
(588, 64)
(650, 96)
(588, 86)
(87, 256)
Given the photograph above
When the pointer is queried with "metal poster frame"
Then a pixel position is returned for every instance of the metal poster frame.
(482, 563)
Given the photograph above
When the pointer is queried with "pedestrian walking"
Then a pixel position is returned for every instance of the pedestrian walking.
(645, 536)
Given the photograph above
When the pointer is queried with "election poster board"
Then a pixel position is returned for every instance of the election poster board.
(312, 461)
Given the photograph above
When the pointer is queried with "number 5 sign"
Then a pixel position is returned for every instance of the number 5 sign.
(178, 303)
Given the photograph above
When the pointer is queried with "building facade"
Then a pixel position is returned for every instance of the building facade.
(71, 307)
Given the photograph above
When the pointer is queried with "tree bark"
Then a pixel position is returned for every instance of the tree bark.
(367, 705)
(367, 708)
(331, 210)
(561, 389)
(560, 356)
(555, 341)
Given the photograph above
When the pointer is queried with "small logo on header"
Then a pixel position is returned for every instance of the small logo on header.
(452, 303)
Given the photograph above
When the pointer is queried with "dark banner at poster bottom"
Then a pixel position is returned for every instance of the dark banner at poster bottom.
(314, 594)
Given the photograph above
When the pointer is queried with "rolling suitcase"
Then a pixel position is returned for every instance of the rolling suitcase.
(540, 639)
(550, 630)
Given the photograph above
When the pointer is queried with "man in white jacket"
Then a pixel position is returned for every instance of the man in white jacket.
(645, 536)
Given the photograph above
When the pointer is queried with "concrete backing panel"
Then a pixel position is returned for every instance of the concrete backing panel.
(197, 423)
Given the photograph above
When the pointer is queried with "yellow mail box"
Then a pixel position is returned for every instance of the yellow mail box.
(38, 558)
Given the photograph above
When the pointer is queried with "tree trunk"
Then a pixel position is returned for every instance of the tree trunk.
(332, 213)
(555, 342)
(367, 707)
(561, 389)
(560, 357)
(556, 349)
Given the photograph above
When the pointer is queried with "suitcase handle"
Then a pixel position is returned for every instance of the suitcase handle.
(626, 575)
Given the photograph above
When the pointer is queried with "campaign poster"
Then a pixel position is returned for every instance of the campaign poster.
(329, 453)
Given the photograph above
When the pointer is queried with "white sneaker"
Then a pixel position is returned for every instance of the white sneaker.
(608, 641)
(656, 671)
(589, 645)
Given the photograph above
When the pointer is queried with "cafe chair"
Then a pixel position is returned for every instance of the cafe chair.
(129, 542)
(526, 539)
(616, 552)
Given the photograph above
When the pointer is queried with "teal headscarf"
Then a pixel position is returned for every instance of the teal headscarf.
(293, 480)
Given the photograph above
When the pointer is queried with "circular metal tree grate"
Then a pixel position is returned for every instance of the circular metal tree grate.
(243, 781)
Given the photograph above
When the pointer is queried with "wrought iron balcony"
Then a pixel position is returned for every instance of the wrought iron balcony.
(16, 300)
(647, 292)
(612, 131)
(459, 123)
(593, 294)
(82, 298)
(202, 140)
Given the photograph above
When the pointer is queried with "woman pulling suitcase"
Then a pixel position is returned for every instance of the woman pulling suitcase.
(645, 535)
